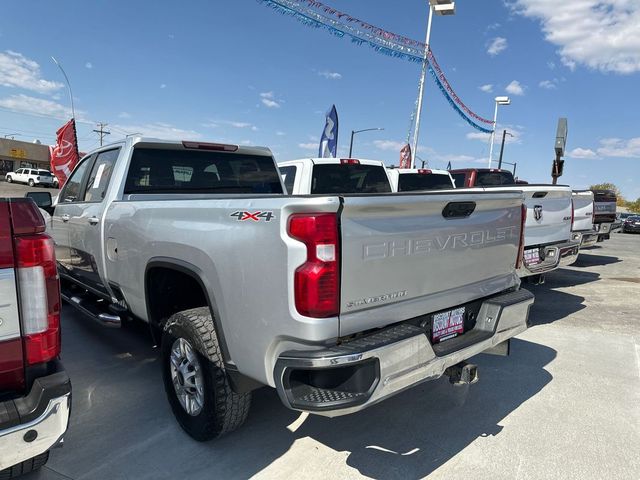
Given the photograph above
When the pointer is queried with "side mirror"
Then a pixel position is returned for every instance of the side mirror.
(42, 200)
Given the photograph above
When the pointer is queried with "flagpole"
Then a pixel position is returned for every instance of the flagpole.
(73, 112)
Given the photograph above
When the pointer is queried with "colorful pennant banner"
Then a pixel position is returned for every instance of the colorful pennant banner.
(380, 40)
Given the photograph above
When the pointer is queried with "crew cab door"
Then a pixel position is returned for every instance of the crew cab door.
(85, 222)
(68, 197)
(19, 176)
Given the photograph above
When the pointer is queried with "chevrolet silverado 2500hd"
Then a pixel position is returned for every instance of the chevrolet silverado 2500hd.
(331, 299)
(547, 234)
(583, 216)
(35, 392)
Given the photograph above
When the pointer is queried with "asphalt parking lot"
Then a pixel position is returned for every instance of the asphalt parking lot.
(565, 404)
(19, 189)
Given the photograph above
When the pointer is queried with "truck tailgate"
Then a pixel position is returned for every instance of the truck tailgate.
(401, 258)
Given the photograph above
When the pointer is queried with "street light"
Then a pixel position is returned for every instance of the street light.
(353, 132)
(499, 101)
(441, 7)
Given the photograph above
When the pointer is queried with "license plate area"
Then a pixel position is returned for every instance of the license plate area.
(532, 256)
(447, 325)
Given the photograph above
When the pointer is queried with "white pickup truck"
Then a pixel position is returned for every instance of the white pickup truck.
(331, 299)
(419, 179)
(583, 215)
(548, 239)
(334, 175)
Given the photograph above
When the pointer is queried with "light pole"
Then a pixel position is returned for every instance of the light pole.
(499, 101)
(441, 7)
(504, 134)
(73, 112)
(353, 132)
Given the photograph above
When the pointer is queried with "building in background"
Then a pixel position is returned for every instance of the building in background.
(15, 154)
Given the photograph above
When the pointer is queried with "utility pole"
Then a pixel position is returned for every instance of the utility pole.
(102, 132)
(504, 134)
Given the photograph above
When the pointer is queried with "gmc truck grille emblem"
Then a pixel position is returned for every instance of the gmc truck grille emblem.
(537, 212)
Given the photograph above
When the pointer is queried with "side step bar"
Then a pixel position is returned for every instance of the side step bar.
(89, 308)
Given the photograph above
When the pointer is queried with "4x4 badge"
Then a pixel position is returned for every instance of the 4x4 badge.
(537, 212)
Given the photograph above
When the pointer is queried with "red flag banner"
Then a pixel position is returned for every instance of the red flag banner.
(64, 155)
(405, 156)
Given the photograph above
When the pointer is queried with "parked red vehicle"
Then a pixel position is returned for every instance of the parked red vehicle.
(35, 391)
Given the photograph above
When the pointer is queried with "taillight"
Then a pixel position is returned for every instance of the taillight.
(39, 288)
(317, 281)
(523, 220)
(424, 171)
(6, 245)
(349, 161)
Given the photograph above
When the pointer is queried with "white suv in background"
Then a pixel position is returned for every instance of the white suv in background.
(32, 177)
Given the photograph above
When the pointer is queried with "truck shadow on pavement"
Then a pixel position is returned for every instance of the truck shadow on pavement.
(122, 426)
(587, 260)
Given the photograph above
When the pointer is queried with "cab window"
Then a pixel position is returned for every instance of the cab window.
(100, 175)
(73, 186)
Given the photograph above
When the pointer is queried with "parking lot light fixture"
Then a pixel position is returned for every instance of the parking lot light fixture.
(503, 100)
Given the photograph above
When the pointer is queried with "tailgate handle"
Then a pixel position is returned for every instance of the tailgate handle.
(458, 209)
(540, 194)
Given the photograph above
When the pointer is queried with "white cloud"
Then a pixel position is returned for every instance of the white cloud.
(547, 84)
(330, 75)
(309, 146)
(88, 65)
(160, 130)
(280, 134)
(124, 115)
(601, 34)
(488, 88)
(496, 46)
(617, 147)
(515, 88)
(268, 100)
(485, 137)
(20, 72)
(582, 153)
(388, 145)
(37, 106)
(163, 85)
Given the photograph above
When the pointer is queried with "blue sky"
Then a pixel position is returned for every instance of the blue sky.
(236, 71)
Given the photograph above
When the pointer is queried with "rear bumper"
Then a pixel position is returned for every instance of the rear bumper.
(589, 239)
(33, 424)
(357, 374)
(556, 255)
(602, 228)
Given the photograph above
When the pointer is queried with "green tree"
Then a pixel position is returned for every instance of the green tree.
(634, 206)
(621, 202)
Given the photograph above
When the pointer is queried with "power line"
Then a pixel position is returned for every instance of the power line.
(102, 132)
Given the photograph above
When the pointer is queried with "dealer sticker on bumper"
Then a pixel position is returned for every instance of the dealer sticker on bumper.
(532, 256)
(447, 325)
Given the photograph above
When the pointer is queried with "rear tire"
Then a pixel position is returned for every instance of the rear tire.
(218, 409)
(27, 466)
(31, 182)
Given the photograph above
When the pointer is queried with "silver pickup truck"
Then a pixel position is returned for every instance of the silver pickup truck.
(337, 301)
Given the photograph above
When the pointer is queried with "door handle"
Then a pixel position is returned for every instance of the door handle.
(93, 220)
(64, 218)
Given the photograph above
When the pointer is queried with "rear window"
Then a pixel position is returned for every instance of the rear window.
(288, 177)
(182, 171)
(458, 178)
(335, 178)
(44, 173)
(486, 179)
(409, 182)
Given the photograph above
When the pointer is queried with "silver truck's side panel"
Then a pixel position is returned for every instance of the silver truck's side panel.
(249, 266)
(401, 258)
